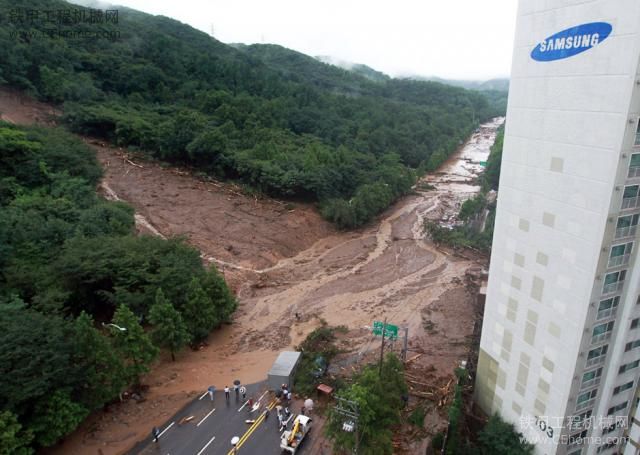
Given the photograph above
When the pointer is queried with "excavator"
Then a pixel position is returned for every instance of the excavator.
(291, 439)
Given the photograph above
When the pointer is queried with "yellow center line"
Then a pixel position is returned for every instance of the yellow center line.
(253, 427)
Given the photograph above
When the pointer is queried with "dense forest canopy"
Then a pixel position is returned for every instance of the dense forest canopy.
(69, 260)
(276, 119)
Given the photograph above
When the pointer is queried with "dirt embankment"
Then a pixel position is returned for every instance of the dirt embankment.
(283, 259)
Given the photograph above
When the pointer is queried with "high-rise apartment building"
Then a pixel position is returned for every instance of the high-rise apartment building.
(560, 348)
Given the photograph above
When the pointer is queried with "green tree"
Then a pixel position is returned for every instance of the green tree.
(35, 358)
(216, 288)
(14, 440)
(491, 177)
(199, 312)
(379, 400)
(103, 370)
(133, 344)
(169, 330)
(55, 417)
(501, 438)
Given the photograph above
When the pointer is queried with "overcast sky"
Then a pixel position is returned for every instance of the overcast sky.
(462, 39)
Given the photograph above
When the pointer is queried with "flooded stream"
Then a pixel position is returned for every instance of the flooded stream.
(385, 270)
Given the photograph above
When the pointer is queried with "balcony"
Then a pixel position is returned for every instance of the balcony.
(617, 261)
(630, 202)
(612, 287)
(628, 231)
(585, 404)
(590, 383)
(600, 338)
(634, 172)
(609, 312)
(595, 361)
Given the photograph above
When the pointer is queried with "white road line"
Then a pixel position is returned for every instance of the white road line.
(205, 446)
(163, 431)
(205, 417)
(258, 401)
(203, 395)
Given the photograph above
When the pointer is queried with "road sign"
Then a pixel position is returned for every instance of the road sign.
(483, 163)
(390, 330)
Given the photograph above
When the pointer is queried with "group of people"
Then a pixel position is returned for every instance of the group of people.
(237, 388)
(282, 409)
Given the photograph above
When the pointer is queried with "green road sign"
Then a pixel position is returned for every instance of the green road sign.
(390, 330)
(483, 163)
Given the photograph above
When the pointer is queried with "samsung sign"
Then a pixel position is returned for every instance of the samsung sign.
(571, 41)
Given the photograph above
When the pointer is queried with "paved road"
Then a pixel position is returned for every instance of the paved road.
(213, 425)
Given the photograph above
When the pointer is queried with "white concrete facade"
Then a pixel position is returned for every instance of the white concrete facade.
(563, 286)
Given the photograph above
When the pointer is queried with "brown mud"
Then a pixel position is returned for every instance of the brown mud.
(280, 259)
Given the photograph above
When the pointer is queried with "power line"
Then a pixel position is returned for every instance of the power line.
(349, 409)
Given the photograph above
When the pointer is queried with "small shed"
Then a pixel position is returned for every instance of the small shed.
(283, 370)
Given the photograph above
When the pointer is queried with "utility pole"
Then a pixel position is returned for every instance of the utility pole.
(384, 327)
(348, 408)
(406, 344)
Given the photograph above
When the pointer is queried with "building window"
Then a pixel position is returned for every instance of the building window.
(614, 281)
(597, 356)
(634, 323)
(637, 140)
(620, 254)
(634, 166)
(617, 408)
(623, 387)
(586, 396)
(591, 375)
(630, 197)
(628, 366)
(581, 421)
(607, 446)
(631, 345)
(577, 438)
(602, 332)
(626, 226)
(608, 307)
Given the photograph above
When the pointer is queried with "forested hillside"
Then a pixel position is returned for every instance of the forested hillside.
(69, 262)
(278, 120)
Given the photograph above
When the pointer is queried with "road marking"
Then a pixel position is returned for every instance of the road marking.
(164, 431)
(206, 445)
(243, 405)
(253, 427)
(257, 401)
(205, 417)
(203, 395)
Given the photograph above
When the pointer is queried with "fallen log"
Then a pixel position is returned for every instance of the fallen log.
(132, 163)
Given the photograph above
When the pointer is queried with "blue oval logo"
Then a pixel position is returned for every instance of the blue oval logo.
(571, 41)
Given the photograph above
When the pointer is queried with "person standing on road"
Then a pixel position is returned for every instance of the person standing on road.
(236, 389)
(156, 434)
(211, 391)
(243, 391)
(226, 393)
